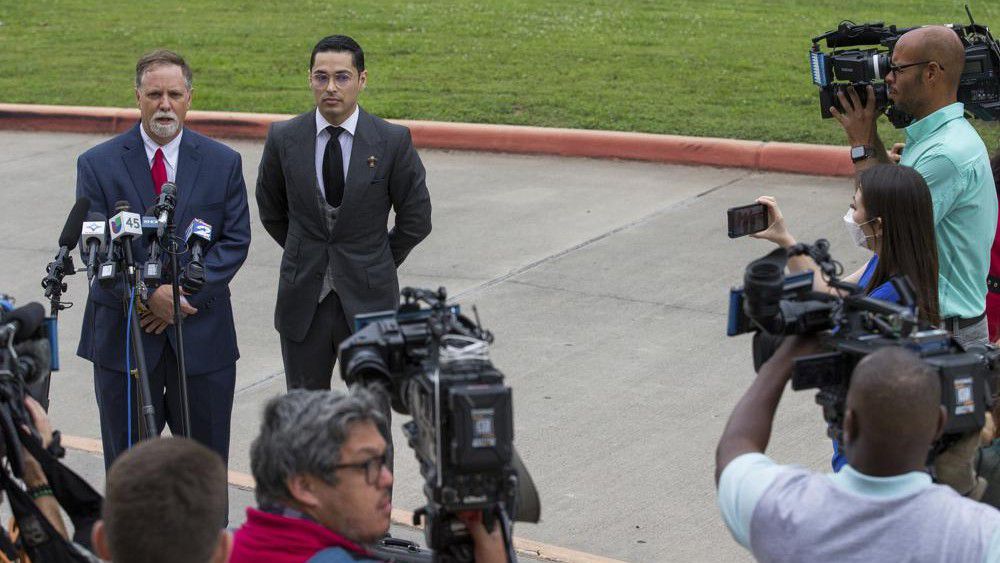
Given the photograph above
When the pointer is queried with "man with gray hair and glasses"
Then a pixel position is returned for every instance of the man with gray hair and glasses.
(324, 488)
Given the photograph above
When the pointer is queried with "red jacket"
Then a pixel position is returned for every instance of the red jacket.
(279, 539)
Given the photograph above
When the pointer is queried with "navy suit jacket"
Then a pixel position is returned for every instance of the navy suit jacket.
(210, 187)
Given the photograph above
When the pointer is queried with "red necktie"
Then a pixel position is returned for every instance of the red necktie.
(159, 171)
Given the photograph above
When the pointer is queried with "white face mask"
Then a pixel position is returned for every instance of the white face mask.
(854, 229)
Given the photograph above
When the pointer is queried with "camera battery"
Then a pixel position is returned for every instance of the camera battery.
(483, 428)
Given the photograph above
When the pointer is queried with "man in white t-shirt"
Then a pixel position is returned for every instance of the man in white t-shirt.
(882, 506)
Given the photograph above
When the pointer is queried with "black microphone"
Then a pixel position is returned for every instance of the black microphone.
(93, 239)
(22, 322)
(73, 223)
(165, 207)
(198, 236)
(62, 265)
(153, 270)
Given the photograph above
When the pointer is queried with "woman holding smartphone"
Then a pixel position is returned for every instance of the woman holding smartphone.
(891, 214)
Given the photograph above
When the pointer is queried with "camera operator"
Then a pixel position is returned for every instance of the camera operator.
(883, 505)
(323, 485)
(891, 214)
(923, 80)
(166, 501)
(37, 486)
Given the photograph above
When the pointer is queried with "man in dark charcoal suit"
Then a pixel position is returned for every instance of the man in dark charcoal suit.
(209, 178)
(327, 181)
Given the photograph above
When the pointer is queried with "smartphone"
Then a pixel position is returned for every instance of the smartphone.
(747, 219)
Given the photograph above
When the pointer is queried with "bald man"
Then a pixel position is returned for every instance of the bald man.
(882, 506)
(947, 151)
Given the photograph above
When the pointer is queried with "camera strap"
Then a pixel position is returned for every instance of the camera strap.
(36, 536)
(80, 501)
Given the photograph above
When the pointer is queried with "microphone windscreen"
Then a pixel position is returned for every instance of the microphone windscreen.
(122, 205)
(96, 216)
(71, 230)
(169, 188)
(29, 318)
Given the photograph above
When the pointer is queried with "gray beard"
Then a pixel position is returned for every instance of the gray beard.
(164, 131)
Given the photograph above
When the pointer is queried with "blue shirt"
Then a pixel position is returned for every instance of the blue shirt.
(948, 152)
(745, 480)
(884, 292)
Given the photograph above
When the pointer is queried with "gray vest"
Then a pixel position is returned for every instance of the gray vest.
(803, 516)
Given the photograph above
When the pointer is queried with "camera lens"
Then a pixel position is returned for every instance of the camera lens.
(763, 284)
(365, 365)
(881, 63)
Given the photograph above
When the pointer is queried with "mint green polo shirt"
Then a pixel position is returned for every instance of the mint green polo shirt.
(948, 152)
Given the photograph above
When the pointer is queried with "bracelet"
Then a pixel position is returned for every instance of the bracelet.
(40, 491)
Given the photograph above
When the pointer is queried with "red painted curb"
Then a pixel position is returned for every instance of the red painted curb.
(755, 155)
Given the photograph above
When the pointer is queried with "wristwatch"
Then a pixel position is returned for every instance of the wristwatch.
(861, 152)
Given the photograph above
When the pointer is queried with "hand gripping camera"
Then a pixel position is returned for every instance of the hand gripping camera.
(851, 327)
(840, 69)
(434, 364)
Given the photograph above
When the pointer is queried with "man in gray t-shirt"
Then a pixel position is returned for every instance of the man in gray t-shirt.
(882, 506)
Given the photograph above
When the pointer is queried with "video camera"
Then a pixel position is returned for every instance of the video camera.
(850, 327)
(434, 364)
(26, 350)
(979, 88)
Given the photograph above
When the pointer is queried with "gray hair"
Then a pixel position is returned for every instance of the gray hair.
(302, 433)
(162, 57)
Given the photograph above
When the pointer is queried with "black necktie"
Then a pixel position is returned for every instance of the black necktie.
(333, 167)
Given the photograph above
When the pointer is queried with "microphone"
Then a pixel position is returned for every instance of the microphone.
(63, 262)
(152, 270)
(125, 225)
(165, 206)
(198, 236)
(73, 223)
(93, 239)
(22, 322)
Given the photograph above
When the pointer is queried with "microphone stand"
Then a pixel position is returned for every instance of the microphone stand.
(147, 426)
(178, 327)
(54, 287)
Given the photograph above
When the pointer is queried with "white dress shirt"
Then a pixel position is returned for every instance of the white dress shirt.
(170, 152)
(346, 139)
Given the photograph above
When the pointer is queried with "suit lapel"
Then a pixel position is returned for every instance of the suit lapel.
(365, 154)
(188, 164)
(301, 144)
(137, 165)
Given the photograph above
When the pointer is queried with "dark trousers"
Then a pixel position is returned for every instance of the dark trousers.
(210, 402)
(309, 363)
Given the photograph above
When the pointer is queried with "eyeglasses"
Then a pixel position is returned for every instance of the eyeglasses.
(895, 69)
(321, 79)
(372, 467)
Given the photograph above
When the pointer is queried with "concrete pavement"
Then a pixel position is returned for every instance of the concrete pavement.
(605, 283)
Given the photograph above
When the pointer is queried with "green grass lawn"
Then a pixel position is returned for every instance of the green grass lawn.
(716, 68)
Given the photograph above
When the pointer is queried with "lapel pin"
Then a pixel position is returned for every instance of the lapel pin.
(372, 161)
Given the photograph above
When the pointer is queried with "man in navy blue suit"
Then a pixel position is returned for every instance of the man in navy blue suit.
(209, 179)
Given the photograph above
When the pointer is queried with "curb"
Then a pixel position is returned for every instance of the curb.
(821, 160)
(399, 517)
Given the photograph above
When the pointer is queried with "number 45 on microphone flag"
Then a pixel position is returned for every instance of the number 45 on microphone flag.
(125, 223)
